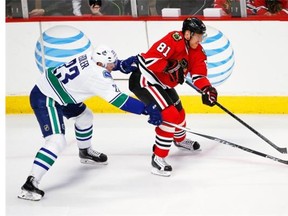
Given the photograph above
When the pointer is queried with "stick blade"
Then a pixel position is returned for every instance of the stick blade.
(282, 150)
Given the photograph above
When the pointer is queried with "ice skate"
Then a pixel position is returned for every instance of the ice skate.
(160, 167)
(188, 145)
(90, 156)
(30, 190)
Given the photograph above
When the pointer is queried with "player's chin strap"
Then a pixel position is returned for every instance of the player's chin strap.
(228, 143)
(279, 149)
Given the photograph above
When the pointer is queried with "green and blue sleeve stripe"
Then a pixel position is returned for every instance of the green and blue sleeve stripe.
(128, 104)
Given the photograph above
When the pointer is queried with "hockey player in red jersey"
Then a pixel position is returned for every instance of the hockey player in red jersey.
(163, 67)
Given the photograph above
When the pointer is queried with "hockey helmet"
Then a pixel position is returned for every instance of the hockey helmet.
(104, 55)
(194, 25)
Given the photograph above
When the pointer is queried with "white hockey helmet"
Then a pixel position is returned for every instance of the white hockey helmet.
(104, 55)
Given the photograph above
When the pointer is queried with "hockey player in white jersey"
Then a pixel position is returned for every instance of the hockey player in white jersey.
(60, 92)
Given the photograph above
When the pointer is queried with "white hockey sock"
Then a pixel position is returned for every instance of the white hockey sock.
(47, 155)
(84, 129)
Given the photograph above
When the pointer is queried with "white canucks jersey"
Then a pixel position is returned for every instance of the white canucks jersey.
(78, 80)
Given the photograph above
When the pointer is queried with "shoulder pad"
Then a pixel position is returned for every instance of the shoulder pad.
(176, 36)
(107, 74)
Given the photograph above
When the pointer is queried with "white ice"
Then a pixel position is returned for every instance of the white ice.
(219, 180)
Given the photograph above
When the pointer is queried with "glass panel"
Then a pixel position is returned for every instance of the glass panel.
(267, 7)
(234, 8)
(254, 7)
(188, 7)
(68, 7)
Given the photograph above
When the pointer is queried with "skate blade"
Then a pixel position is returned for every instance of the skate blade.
(188, 149)
(91, 162)
(27, 195)
(155, 171)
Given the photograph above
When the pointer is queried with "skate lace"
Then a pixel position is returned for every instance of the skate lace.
(161, 161)
(187, 143)
(94, 153)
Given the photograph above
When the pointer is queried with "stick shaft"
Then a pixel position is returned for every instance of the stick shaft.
(229, 143)
(281, 150)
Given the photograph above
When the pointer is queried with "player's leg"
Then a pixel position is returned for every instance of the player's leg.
(180, 139)
(164, 133)
(50, 119)
(83, 117)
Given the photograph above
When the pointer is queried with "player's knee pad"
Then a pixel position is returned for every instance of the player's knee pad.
(55, 143)
(170, 114)
(85, 119)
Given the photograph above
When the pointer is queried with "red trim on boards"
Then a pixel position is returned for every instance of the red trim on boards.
(142, 18)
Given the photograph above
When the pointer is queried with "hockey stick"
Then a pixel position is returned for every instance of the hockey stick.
(229, 143)
(282, 150)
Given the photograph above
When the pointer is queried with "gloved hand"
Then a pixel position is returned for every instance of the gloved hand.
(155, 116)
(176, 70)
(209, 96)
(125, 66)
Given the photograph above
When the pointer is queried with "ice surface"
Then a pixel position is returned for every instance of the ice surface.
(219, 180)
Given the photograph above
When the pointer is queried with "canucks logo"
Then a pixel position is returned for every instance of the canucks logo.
(60, 44)
(220, 56)
(107, 74)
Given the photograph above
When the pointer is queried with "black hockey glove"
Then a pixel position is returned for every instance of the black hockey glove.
(125, 66)
(209, 96)
(176, 70)
(155, 116)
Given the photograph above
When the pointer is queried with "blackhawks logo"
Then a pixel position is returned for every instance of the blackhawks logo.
(176, 36)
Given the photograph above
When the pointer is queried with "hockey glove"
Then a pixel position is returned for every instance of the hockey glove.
(176, 70)
(125, 66)
(209, 95)
(155, 116)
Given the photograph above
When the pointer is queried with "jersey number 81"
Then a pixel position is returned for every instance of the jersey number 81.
(163, 48)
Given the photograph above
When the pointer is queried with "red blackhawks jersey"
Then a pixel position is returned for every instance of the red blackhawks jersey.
(197, 67)
(153, 63)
